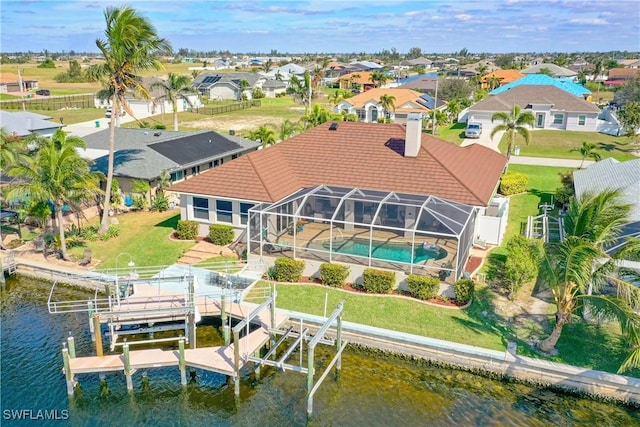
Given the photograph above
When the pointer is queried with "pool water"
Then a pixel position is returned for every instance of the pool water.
(400, 252)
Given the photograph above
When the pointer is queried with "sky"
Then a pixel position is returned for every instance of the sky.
(335, 26)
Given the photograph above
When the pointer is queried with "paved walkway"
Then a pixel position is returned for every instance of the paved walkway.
(86, 128)
(542, 161)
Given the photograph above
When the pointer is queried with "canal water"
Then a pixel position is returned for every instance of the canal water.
(372, 390)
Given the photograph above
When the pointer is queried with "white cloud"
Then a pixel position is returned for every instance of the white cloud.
(463, 16)
(594, 21)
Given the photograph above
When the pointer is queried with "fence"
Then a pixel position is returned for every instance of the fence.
(50, 103)
(210, 111)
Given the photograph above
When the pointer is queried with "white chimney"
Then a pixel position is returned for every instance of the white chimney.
(413, 138)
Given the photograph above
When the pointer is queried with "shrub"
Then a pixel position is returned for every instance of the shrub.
(423, 287)
(333, 274)
(187, 230)
(522, 261)
(378, 281)
(139, 202)
(463, 289)
(90, 233)
(288, 270)
(513, 183)
(160, 203)
(112, 231)
(221, 234)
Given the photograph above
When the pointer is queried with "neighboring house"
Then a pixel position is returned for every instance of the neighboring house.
(568, 86)
(365, 66)
(369, 109)
(227, 85)
(25, 123)
(274, 87)
(422, 83)
(611, 174)
(354, 182)
(619, 76)
(360, 80)
(154, 105)
(418, 62)
(556, 70)
(143, 154)
(10, 83)
(503, 76)
(630, 63)
(286, 71)
(553, 108)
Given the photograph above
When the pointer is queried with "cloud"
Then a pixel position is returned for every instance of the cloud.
(463, 17)
(587, 21)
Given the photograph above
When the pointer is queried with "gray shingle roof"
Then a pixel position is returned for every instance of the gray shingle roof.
(145, 153)
(610, 174)
(556, 70)
(525, 95)
(23, 123)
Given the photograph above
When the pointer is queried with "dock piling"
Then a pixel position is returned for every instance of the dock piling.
(127, 367)
(67, 370)
(223, 317)
(72, 346)
(183, 368)
(97, 334)
(90, 311)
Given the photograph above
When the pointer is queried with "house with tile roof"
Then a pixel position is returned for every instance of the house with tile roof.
(143, 154)
(553, 108)
(369, 109)
(556, 70)
(360, 80)
(363, 194)
(569, 86)
(503, 77)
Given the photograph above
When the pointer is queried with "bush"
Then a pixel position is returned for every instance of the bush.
(333, 274)
(187, 230)
(463, 289)
(221, 234)
(112, 231)
(288, 270)
(513, 183)
(378, 281)
(139, 202)
(90, 233)
(522, 261)
(423, 287)
(160, 203)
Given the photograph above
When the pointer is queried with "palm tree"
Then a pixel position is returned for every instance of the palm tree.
(388, 104)
(320, 115)
(288, 129)
(264, 134)
(493, 82)
(164, 181)
(453, 109)
(267, 66)
(588, 150)
(129, 48)
(580, 264)
(513, 123)
(55, 173)
(176, 87)
(301, 90)
(243, 85)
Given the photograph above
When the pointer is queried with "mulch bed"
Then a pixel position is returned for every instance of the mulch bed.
(472, 264)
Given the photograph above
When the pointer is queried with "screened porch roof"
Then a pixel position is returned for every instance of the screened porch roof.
(378, 208)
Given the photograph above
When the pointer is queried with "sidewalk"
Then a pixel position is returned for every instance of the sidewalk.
(543, 161)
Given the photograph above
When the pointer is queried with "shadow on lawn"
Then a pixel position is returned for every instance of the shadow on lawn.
(171, 222)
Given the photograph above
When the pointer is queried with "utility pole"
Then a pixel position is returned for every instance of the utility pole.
(435, 105)
(24, 107)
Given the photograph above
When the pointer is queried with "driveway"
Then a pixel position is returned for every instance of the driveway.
(485, 140)
(93, 126)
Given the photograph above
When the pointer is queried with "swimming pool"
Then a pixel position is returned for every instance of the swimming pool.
(400, 252)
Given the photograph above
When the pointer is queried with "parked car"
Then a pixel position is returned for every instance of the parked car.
(108, 113)
(473, 130)
(43, 92)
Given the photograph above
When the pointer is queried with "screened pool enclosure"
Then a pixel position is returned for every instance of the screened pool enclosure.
(418, 234)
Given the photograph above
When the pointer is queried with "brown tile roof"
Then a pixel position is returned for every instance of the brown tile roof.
(365, 155)
(406, 99)
(505, 76)
(535, 94)
(363, 79)
(623, 73)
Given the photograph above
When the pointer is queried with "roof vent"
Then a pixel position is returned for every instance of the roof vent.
(334, 126)
(157, 134)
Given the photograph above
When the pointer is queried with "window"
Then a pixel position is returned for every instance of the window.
(362, 114)
(210, 165)
(558, 119)
(224, 211)
(195, 170)
(177, 176)
(216, 163)
(200, 208)
(234, 156)
(244, 212)
(582, 119)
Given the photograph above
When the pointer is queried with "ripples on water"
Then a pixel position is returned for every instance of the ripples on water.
(372, 391)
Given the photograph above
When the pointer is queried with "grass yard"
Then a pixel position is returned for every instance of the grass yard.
(72, 116)
(562, 145)
(399, 314)
(143, 235)
(452, 133)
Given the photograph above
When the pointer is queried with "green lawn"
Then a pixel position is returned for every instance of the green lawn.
(468, 326)
(143, 235)
(452, 133)
(72, 116)
(562, 145)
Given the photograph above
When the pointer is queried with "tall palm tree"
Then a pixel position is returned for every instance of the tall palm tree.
(513, 123)
(493, 82)
(243, 85)
(388, 104)
(176, 87)
(588, 149)
(55, 173)
(267, 65)
(130, 45)
(301, 90)
(580, 264)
